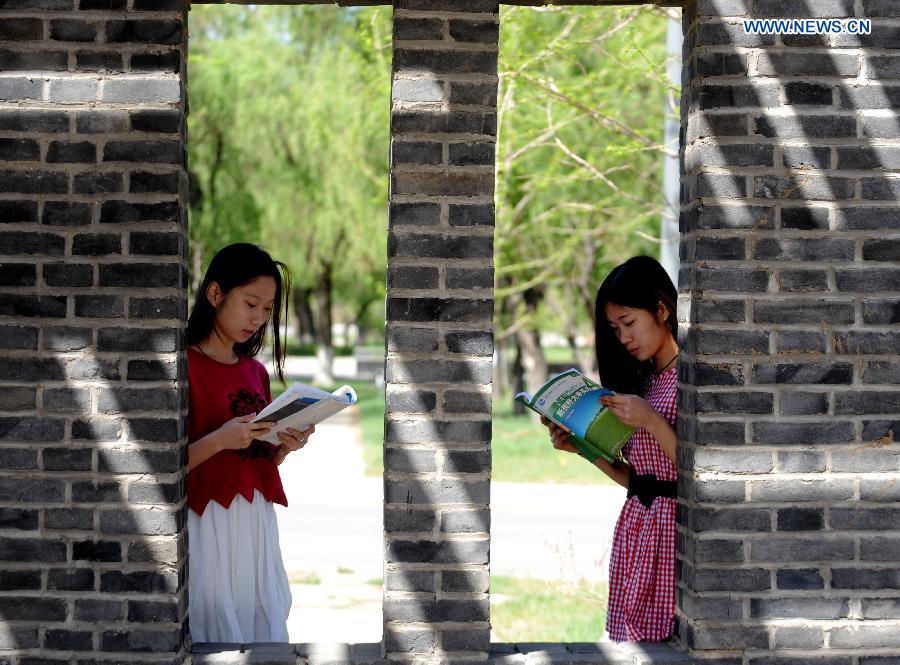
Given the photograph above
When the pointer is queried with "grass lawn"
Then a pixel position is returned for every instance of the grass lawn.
(531, 610)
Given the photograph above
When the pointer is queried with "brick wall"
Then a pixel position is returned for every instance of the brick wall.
(790, 529)
(92, 291)
(439, 330)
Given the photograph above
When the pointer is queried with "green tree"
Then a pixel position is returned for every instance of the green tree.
(579, 164)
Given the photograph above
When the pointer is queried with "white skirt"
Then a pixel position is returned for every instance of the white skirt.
(238, 589)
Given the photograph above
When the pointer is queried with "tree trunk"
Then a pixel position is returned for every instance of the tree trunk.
(304, 327)
(529, 341)
(325, 344)
(517, 379)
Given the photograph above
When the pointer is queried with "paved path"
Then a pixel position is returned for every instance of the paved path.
(332, 534)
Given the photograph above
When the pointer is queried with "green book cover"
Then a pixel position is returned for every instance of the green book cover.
(572, 401)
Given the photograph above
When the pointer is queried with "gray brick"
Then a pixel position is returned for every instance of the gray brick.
(442, 183)
(437, 492)
(33, 182)
(800, 93)
(881, 372)
(428, 371)
(804, 157)
(412, 277)
(798, 608)
(66, 399)
(719, 550)
(417, 90)
(444, 62)
(427, 551)
(800, 519)
(867, 219)
(409, 640)
(21, 88)
(799, 281)
(740, 280)
(17, 458)
(881, 250)
(869, 401)
(799, 491)
(11, 60)
(799, 579)
(402, 339)
(472, 93)
(418, 28)
(864, 519)
(734, 461)
(800, 461)
(868, 158)
(798, 637)
(149, 461)
(32, 549)
(848, 637)
(416, 152)
(144, 275)
(13, 274)
(456, 401)
(409, 580)
(25, 608)
(731, 341)
(735, 402)
(878, 608)
(734, 217)
(415, 214)
(98, 182)
(820, 432)
(160, 151)
(732, 155)
(73, 579)
(865, 459)
(98, 610)
(469, 278)
(408, 520)
(806, 187)
(27, 428)
(442, 431)
(465, 521)
(734, 579)
(804, 311)
(467, 461)
(711, 64)
(858, 342)
(827, 373)
(406, 460)
(149, 182)
(806, 126)
(19, 519)
(720, 491)
(451, 122)
(803, 403)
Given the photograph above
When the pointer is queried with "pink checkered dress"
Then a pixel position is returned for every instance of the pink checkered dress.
(642, 562)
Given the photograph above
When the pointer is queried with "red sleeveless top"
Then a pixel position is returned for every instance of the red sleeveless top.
(218, 393)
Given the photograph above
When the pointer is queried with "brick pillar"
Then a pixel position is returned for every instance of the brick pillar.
(92, 286)
(790, 529)
(439, 330)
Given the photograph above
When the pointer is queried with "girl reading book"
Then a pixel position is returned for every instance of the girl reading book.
(238, 589)
(635, 332)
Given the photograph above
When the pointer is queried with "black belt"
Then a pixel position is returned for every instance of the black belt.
(647, 487)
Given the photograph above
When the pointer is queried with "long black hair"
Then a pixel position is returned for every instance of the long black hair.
(233, 266)
(641, 282)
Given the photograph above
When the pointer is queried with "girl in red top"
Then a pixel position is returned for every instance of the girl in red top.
(635, 333)
(237, 587)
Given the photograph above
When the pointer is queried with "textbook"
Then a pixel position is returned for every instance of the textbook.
(300, 406)
(572, 401)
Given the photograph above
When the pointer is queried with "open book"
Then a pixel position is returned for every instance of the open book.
(572, 401)
(300, 406)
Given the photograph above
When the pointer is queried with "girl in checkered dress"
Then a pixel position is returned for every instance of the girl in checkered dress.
(635, 333)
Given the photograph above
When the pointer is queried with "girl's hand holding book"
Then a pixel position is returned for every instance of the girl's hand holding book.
(630, 409)
(559, 436)
(238, 433)
(292, 439)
